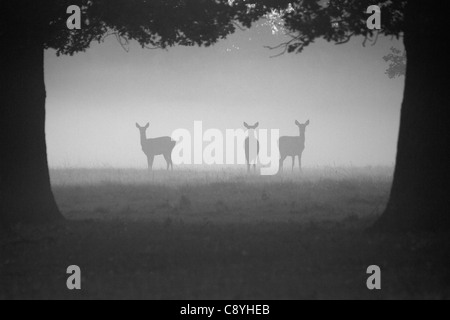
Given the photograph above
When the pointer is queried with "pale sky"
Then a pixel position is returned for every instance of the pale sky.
(95, 98)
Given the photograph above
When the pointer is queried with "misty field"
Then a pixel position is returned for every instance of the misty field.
(220, 234)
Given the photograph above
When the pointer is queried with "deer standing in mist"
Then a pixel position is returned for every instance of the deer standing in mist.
(155, 147)
(251, 146)
(293, 146)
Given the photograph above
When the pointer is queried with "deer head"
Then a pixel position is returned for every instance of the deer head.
(251, 127)
(302, 126)
(143, 128)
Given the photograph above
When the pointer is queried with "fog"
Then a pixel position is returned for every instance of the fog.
(95, 98)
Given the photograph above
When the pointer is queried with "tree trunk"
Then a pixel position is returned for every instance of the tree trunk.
(420, 199)
(25, 192)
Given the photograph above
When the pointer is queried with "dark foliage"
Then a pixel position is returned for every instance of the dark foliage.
(155, 24)
(397, 63)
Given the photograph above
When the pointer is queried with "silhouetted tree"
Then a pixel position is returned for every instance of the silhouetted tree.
(397, 63)
(28, 27)
(419, 196)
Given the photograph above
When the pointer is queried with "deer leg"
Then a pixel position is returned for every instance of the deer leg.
(167, 157)
(293, 163)
(170, 160)
(281, 163)
(150, 162)
(300, 162)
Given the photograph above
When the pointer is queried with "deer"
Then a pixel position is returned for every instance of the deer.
(155, 147)
(251, 146)
(293, 146)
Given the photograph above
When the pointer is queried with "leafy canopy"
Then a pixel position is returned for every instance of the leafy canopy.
(152, 23)
(164, 23)
(333, 20)
(397, 63)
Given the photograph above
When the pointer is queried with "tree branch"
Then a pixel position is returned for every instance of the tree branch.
(284, 45)
(346, 39)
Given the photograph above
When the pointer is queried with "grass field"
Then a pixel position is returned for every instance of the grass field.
(221, 234)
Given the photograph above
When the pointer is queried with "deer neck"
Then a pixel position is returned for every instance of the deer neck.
(302, 136)
(143, 138)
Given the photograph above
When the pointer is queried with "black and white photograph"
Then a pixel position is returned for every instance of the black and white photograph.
(229, 156)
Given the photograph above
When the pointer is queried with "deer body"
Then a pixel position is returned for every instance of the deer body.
(251, 146)
(293, 146)
(155, 147)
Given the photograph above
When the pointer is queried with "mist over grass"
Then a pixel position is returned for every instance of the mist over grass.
(222, 195)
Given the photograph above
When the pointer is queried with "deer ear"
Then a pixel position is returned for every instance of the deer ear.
(246, 125)
(147, 125)
(297, 123)
(257, 125)
(307, 123)
(138, 126)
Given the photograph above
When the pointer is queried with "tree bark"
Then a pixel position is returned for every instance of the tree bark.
(420, 199)
(25, 191)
